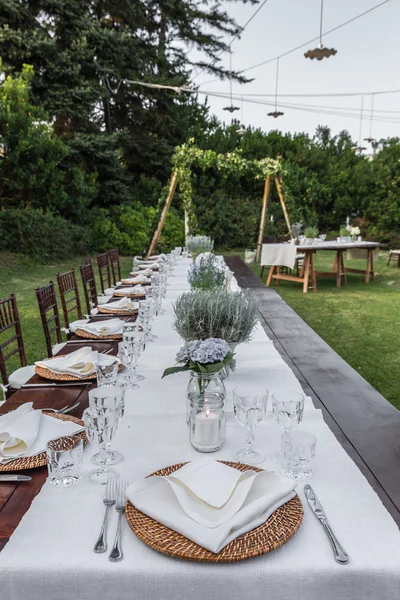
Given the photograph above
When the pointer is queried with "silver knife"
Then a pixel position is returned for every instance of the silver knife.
(339, 552)
(12, 477)
(73, 384)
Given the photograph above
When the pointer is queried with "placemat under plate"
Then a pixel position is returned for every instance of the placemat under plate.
(275, 532)
(40, 460)
(92, 336)
(117, 312)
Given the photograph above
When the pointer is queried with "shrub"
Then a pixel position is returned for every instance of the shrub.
(42, 235)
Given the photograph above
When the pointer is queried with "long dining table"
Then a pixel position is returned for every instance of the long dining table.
(308, 275)
(50, 552)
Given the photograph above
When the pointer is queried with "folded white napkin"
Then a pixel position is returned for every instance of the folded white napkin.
(25, 432)
(147, 272)
(80, 363)
(78, 324)
(137, 279)
(104, 328)
(123, 304)
(157, 256)
(152, 264)
(211, 503)
(109, 291)
(138, 289)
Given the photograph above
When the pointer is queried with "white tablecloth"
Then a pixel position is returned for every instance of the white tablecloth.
(281, 255)
(50, 554)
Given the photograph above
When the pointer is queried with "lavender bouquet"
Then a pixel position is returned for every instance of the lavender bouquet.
(202, 356)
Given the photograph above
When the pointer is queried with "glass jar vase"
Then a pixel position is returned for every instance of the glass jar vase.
(207, 423)
(202, 383)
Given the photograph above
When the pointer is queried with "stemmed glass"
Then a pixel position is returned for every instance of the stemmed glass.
(106, 370)
(249, 409)
(288, 408)
(129, 351)
(145, 318)
(101, 421)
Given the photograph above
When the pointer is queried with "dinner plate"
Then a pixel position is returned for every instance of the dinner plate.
(269, 536)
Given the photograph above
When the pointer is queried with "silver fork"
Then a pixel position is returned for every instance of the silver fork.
(116, 553)
(109, 499)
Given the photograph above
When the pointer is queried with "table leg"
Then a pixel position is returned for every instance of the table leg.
(334, 265)
(368, 270)
(269, 278)
(338, 263)
(313, 276)
(372, 265)
(343, 269)
(306, 264)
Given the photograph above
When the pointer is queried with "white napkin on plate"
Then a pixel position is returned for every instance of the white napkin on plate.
(78, 324)
(157, 256)
(138, 279)
(18, 430)
(123, 304)
(109, 291)
(149, 265)
(104, 328)
(64, 364)
(137, 289)
(25, 432)
(209, 502)
(147, 272)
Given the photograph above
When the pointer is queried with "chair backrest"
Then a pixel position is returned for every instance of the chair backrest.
(9, 322)
(89, 285)
(46, 297)
(113, 256)
(394, 241)
(103, 262)
(69, 294)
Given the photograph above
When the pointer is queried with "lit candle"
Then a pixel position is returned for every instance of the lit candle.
(207, 429)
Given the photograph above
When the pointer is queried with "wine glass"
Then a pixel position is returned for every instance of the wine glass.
(106, 370)
(108, 399)
(249, 409)
(288, 408)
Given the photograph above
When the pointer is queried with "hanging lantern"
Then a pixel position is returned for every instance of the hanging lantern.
(276, 113)
(321, 51)
(230, 108)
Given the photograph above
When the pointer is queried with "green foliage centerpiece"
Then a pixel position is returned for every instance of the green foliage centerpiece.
(206, 273)
(231, 316)
(199, 244)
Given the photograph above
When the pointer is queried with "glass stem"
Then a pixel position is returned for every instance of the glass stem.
(249, 441)
(103, 458)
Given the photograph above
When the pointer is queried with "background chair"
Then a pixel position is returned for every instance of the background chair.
(89, 285)
(10, 325)
(69, 294)
(103, 263)
(115, 264)
(394, 251)
(46, 297)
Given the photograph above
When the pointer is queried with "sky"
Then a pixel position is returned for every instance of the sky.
(367, 60)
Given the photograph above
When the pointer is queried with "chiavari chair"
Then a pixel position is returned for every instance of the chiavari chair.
(115, 264)
(89, 285)
(70, 301)
(103, 263)
(48, 308)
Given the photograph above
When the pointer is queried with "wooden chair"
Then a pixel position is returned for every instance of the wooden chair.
(103, 263)
(89, 285)
(69, 294)
(10, 323)
(46, 297)
(394, 251)
(115, 264)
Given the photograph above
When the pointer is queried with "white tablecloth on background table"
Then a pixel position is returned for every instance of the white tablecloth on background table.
(50, 554)
(281, 255)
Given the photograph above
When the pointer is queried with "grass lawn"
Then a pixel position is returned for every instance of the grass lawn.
(20, 276)
(361, 322)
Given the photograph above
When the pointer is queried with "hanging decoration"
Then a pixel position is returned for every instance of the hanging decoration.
(241, 130)
(321, 52)
(230, 108)
(360, 148)
(276, 113)
(370, 139)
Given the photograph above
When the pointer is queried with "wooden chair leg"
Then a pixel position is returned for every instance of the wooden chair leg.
(278, 272)
(269, 278)
(390, 258)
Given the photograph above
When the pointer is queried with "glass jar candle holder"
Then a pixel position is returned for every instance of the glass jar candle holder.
(207, 423)
(201, 384)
